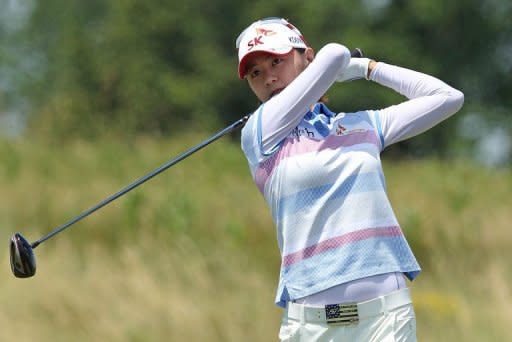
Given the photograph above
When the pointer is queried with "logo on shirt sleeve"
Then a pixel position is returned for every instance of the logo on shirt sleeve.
(340, 130)
(343, 130)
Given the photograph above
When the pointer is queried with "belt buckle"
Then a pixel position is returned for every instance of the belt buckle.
(341, 314)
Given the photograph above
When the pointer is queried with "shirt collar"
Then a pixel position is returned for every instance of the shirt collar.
(321, 108)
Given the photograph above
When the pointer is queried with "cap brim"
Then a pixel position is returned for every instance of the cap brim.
(243, 62)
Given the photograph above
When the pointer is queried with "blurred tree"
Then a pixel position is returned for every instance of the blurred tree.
(160, 66)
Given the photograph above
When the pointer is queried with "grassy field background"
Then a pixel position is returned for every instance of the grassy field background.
(191, 255)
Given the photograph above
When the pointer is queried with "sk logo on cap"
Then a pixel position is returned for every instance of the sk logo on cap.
(261, 32)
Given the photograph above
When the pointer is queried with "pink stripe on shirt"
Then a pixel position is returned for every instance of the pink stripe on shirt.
(340, 241)
(303, 145)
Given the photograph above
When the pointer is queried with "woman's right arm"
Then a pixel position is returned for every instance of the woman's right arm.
(281, 114)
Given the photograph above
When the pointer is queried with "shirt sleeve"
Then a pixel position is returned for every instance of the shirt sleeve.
(277, 117)
(430, 102)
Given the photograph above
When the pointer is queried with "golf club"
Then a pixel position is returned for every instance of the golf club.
(23, 261)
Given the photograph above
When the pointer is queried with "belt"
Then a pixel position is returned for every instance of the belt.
(349, 313)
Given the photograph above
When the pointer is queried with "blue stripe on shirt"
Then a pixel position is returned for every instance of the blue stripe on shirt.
(364, 182)
(337, 266)
(379, 129)
(260, 138)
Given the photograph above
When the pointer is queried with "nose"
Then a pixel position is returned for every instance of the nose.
(270, 78)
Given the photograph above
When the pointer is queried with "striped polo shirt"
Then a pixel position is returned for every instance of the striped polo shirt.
(325, 187)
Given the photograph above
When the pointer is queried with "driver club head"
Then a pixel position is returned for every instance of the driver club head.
(23, 260)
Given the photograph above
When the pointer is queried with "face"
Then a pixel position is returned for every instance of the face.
(268, 74)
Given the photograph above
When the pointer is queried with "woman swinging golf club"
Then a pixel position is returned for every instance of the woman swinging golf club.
(345, 260)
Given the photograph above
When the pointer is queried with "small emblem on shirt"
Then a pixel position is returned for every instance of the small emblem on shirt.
(340, 130)
(297, 132)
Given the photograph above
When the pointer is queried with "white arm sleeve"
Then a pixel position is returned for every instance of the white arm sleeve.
(282, 113)
(430, 102)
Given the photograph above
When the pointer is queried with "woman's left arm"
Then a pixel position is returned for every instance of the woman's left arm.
(430, 101)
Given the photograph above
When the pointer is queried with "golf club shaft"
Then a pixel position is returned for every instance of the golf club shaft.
(355, 53)
(143, 179)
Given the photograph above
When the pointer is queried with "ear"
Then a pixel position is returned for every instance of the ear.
(310, 54)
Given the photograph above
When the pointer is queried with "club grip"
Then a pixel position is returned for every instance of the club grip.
(357, 52)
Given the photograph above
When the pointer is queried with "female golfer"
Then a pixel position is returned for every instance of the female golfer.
(344, 258)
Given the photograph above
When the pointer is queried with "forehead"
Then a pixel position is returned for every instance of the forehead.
(258, 57)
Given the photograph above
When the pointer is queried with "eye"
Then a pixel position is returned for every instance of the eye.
(254, 73)
(276, 61)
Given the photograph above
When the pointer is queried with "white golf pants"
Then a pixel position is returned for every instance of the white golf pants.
(382, 319)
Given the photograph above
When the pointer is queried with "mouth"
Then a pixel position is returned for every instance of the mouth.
(275, 92)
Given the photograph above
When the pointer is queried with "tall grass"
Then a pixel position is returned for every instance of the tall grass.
(191, 255)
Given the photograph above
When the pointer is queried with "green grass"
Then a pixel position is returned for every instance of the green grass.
(191, 255)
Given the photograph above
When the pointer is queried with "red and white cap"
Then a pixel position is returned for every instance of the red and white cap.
(273, 35)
